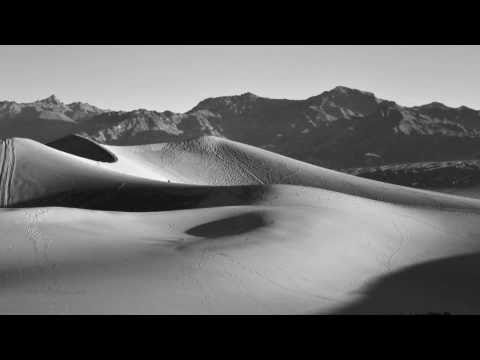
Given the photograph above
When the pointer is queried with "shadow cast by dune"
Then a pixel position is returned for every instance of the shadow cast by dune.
(234, 225)
(139, 197)
(80, 146)
(450, 285)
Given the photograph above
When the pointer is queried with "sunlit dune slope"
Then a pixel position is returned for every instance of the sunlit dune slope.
(306, 251)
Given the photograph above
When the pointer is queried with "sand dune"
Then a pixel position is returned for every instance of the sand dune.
(211, 226)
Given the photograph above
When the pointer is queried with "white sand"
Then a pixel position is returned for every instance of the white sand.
(323, 247)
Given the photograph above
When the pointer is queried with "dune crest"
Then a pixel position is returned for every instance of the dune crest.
(179, 175)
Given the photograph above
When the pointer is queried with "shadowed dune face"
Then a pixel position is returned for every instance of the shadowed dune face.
(210, 226)
(439, 286)
(80, 146)
(141, 197)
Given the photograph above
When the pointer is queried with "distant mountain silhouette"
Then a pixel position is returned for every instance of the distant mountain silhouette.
(339, 128)
(43, 120)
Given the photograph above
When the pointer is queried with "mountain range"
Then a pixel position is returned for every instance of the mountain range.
(339, 128)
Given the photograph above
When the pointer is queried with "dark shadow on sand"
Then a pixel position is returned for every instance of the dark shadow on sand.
(450, 285)
(149, 196)
(235, 225)
(83, 147)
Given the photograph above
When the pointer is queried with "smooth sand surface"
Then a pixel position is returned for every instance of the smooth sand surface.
(84, 236)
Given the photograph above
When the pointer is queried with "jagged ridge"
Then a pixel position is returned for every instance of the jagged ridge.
(339, 128)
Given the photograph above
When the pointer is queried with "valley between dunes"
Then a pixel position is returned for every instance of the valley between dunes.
(213, 226)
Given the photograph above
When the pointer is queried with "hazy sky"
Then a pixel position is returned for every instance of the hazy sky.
(176, 78)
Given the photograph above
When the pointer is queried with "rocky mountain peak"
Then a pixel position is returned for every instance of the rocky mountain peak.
(435, 104)
(51, 100)
(249, 95)
(226, 102)
(343, 92)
